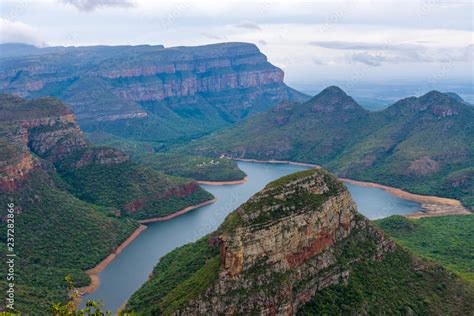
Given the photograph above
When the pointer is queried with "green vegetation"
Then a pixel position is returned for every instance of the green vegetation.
(424, 145)
(55, 235)
(180, 275)
(194, 167)
(73, 202)
(152, 193)
(133, 148)
(447, 239)
(290, 178)
(92, 308)
(181, 165)
(300, 200)
(398, 285)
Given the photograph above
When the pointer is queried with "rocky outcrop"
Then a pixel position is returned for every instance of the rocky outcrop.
(283, 246)
(12, 173)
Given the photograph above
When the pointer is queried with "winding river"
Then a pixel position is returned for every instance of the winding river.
(124, 275)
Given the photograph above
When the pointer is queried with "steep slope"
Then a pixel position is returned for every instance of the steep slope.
(51, 175)
(451, 246)
(149, 92)
(423, 144)
(56, 234)
(275, 255)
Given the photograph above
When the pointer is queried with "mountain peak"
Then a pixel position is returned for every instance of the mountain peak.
(333, 98)
(314, 187)
(434, 103)
(435, 96)
(333, 90)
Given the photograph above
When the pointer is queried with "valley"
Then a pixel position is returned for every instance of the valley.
(139, 258)
(192, 180)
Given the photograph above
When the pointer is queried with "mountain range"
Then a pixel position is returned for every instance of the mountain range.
(299, 246)
(421, 144)
(147, 92)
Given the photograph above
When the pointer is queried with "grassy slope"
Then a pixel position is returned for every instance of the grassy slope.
(447, 240)
(57, 234)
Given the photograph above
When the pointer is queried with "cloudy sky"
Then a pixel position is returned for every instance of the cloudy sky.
(314, 42)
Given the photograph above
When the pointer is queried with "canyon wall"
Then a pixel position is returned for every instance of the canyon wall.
(106, 84)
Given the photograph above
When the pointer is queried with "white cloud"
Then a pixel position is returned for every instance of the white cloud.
(18, 32)
(91, 5)
(248, 25)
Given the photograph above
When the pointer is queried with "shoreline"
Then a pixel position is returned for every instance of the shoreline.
(244, 180)
(404, 194)
(175, 214)
(93, 272)
(277, 162)
(431, 206)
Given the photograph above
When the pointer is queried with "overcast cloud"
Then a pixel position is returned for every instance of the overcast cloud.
(91, 5)
(319, 41)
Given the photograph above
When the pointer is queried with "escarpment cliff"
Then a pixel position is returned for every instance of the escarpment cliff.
(155, 86)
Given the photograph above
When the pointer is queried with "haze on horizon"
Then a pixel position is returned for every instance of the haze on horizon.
(359, 43)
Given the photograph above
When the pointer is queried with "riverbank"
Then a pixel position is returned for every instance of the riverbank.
(93, 273)
(277, 162)
(431, 205)
(173, 215)
(223, 182)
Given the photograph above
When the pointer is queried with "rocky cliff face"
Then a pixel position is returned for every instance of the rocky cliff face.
(108, 84)
(276, 251)
(42, 127)
(284, 248)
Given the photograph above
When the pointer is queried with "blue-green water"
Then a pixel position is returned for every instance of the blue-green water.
(123, 276)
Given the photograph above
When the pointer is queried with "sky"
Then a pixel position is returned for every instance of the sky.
(316, 43)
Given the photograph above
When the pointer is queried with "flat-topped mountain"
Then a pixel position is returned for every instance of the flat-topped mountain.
(149, 92)
(423, 144)
(74, 203)
(298, 247)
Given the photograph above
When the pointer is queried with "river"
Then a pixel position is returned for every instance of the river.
(124, 275)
